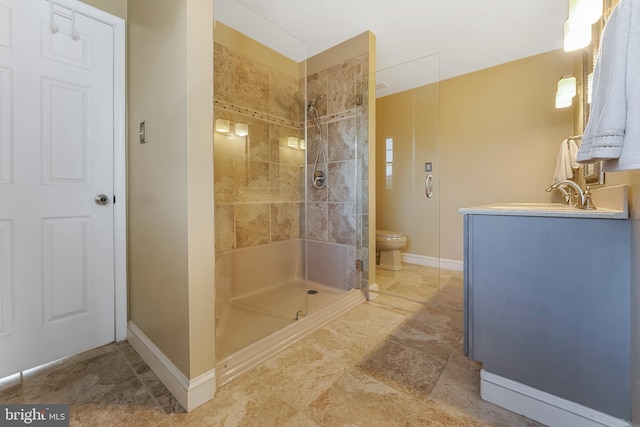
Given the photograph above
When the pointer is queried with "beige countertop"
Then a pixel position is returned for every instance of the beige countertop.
(611, 203)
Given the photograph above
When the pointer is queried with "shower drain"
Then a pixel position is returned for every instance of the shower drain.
(312, 291)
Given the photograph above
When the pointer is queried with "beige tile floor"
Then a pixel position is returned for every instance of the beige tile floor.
(388, 362)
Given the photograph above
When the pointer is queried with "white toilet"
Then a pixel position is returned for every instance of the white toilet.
(388, 245)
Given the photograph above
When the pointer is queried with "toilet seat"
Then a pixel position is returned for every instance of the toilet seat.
(385, 234)
(388, 247)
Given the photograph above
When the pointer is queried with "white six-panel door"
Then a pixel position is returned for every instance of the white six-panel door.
(56, 156)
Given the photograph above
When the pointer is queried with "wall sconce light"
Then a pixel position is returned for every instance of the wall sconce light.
(576, 37)
(241, 129)
(302, 144)
(589, 87)
(223, 125)
(566, 91)
(577, 28)
(584, 12)
(292, 142)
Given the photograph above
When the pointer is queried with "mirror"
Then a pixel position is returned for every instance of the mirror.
(592, 174)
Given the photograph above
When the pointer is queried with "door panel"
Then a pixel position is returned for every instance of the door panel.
(65, 146)
(6, 28)
(56, 154)
(66, 268)
(6, 126)
(6, 276)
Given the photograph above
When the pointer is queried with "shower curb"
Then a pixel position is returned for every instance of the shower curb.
(252, 355)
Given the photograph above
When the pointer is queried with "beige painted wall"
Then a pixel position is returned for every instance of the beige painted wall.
(199, 166)
(499, 139)
(170, 178)
(114, 7)
(411, 120)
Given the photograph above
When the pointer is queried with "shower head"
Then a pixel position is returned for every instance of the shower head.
(312, 103)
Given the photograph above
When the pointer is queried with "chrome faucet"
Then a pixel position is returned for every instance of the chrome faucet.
(584, 196)
(568, 195)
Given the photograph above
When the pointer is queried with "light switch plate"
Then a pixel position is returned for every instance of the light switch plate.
(143, 132)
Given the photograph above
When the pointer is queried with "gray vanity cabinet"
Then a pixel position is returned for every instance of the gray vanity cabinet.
(547, 304)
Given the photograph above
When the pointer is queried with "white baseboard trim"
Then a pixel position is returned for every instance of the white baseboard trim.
(541, 406)
(372, 292)
(428, 261)
(190, 393)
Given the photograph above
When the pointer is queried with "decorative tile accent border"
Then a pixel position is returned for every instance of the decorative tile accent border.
(351, 113)
(249, 112)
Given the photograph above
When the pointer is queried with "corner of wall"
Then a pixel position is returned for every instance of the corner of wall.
(170, 179)
(200, 198)
(190, 393)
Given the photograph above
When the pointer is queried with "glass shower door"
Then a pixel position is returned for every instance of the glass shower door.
(259, 176)
(408, 180)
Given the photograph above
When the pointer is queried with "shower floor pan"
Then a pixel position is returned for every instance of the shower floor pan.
(245, 333)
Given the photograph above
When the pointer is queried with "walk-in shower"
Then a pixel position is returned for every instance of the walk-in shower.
(287, 192)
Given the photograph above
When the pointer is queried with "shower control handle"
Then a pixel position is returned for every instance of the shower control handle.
(319, 179)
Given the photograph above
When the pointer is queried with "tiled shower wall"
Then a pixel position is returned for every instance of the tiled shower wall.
(338, 213)
(258, 190)
(259, 179)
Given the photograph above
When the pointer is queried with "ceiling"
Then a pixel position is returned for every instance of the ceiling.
(418, 41)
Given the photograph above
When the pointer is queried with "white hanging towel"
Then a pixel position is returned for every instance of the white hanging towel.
(613, 131)
(573, 154)
(566, 162)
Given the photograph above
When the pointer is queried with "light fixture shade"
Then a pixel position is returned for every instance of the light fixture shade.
(567, 86)
(292, 142)
(576, 37)
(223, 125)
(242, 129)
(566, 91)
(584, 12)
(563, 101)
(302, 144)
(589, 87)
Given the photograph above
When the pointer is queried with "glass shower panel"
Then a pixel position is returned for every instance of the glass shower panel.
(408, 180)
(362, 267)
(336, 117)
(259, 171)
